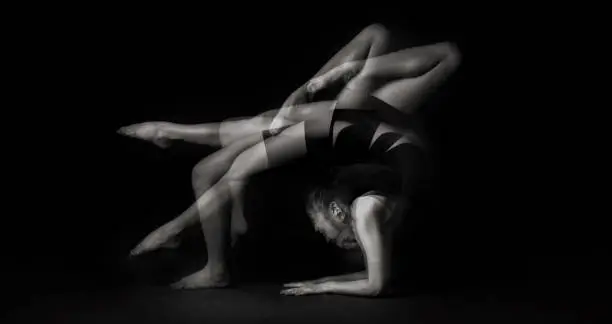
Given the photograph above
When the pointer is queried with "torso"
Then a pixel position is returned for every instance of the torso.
(365, 134)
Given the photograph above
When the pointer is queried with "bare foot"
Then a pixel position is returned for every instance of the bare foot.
(163, 237)
(150, 131)
(204, 278)
(345, 71)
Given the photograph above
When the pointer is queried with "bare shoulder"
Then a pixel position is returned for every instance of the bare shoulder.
(369, 206)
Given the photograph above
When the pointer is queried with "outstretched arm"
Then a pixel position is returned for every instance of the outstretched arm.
(368, 212)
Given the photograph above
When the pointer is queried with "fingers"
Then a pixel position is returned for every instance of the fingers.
(294, 284)
(297, 292)
(301, 288)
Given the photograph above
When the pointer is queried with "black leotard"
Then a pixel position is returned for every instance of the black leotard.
(354, 144)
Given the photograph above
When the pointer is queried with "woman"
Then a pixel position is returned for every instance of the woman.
(366, 123)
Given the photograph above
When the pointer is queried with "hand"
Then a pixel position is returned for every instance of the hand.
(303, 288)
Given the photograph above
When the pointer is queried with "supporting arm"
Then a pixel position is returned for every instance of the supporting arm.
(368, 213)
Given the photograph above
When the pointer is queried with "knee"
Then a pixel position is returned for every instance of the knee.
(241, 169)
(236, 174)
(445, 56)
(199, 175)
(450, 53)
(377, 31)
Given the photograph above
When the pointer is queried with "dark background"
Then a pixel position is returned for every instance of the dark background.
(512, 203)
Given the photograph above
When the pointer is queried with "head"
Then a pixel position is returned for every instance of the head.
(330, 213)
(329, 208)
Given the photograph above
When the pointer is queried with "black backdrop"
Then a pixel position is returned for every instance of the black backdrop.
(85, 196)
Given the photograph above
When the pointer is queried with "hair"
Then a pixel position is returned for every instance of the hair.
(345, 183)
(320, 198)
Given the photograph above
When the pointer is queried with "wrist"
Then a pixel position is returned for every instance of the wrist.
(325, 287)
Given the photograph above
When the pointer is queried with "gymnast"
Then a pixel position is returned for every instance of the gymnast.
(367, 122)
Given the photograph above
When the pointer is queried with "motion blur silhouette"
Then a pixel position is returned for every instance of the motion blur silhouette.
(368, 121)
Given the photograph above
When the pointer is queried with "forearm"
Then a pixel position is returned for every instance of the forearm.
(345, 277)
(362, 287)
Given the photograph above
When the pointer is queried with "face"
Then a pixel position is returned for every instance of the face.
(324, 225)
(331, 223)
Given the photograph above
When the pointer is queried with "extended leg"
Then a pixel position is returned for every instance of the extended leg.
(372, 41)
(204, 175)
(217, 134)
(212, 205)
(223, 133)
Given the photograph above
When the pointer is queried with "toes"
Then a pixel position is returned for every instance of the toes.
(124, 130)
(136, 251)
(289, 292)
(314, 85)
(128, 131)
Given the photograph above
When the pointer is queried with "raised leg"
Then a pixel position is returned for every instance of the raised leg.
(405, 78)
(221, 134)
(372, 41)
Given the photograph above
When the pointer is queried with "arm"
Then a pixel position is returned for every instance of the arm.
(344, 277)
(368, 212)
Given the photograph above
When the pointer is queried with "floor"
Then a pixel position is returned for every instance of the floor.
(261, 303)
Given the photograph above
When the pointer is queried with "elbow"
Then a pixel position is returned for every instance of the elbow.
(376, 288)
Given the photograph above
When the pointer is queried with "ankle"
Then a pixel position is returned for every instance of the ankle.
(217, 268)
(168, 130)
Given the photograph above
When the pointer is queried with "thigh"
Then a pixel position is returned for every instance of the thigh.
(407, 94)
(405, 78)
(210, 169)
(272, 152)
(235, 129)
(310, 111)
